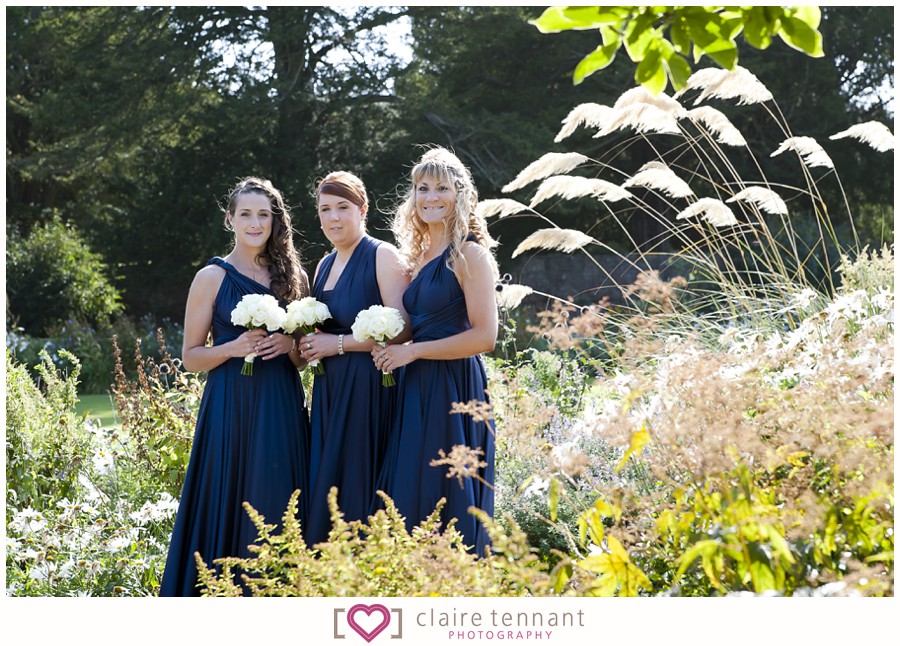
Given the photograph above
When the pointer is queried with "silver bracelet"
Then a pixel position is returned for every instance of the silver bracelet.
(340, 344)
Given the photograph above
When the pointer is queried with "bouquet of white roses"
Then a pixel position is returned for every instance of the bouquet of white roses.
(380, 324)
(257, 311)
(305, 315)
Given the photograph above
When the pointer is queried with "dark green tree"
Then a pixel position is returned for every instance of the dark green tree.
(134, 121)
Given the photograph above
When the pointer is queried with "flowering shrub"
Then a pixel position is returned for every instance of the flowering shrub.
(377, 558)
(76, 522)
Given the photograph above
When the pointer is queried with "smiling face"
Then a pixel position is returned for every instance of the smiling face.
(252, 220)
(341, 220)
(435, 199)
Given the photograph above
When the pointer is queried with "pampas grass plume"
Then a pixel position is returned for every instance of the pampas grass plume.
(572, 187)
(658, 176)
(547, 165)
(875, 134)
(567, 240)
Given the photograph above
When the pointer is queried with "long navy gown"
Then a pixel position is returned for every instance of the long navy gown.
(351, 411)
(250, 444)
(424, 423)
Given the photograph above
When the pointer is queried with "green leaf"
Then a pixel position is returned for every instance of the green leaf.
(561, 575)
(650, 72)
(554, 498)
(801, 36)
(641, 437)
(596, 60)
(703, 549)
(723, 52)
(679, 71)
(640, 36)
(591, 522)
(552, 21)
(810, 14)
(760, 25)
(556, 19)
(680, 38)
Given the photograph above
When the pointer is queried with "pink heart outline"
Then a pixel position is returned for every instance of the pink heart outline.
(365, 634)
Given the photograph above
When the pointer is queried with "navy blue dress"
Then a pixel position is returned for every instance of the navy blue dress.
(250, 444)
(351, 411)
(424, 423)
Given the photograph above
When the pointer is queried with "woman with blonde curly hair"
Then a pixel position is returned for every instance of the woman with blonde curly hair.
(453, 315)
(252, 433)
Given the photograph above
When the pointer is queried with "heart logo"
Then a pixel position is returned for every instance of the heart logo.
(368, 635)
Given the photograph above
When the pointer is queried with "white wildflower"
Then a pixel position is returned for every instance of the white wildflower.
(733, 372)
(510, 296)
(28, 522)
(117, 543)
(537, 487)
(720, 83)
(875, 134)
(549, 164)
(658, 176)
(711, 210)
(765, 199)
(847, 306)
(773, 345)
(804, 298)
(500, 207)
(588, 114)
(572, 187)
(809, 150)
(565, 457)
(622, 383)
(42, 572)
(89, 510)
(883, 299)
(31, 554)
(718, 124)
(566, 240)
(103, 462)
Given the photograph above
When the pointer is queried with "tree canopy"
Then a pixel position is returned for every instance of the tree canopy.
(129, 124)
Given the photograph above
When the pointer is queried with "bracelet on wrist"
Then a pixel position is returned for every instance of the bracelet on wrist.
(340, 344)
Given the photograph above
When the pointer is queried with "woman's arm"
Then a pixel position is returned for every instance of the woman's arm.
(393, 279)
(481, 304)
(195, 354)
(392, 282)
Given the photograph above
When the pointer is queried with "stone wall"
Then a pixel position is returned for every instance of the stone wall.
(586, 279)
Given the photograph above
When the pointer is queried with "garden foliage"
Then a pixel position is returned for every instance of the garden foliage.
(727, 431)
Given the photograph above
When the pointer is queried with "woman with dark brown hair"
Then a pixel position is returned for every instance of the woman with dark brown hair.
(351, 411)
(252, 434)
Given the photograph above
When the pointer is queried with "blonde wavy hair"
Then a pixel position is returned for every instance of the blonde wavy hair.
(411, 233)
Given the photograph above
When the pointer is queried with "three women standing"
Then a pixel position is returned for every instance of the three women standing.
(254, 441)
(351, 411)
(251, 438)
(453, 315)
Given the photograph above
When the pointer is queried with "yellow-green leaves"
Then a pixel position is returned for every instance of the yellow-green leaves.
(639, 439)
(695, 31)
(616, 572)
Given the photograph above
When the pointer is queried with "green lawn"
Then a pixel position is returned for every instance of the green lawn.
(98, 406)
